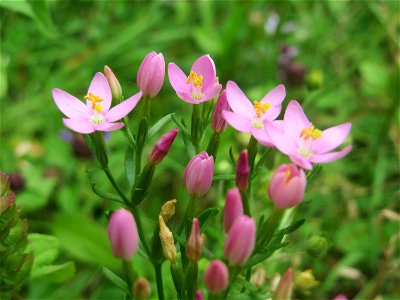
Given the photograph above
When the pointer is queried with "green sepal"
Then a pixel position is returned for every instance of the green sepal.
(191, 275)
(141, 188)
(100, 148)
(156, 247)
(177, 277)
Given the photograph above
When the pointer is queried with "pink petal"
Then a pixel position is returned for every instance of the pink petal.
(301, 161)
(187, 97)
(295, 120)
(100, 87)
(331, 138)
(211, 92)
(79, 125)
(275, 96)
(122, 109)
(278, 138)
(239, 122)
(261, 136)
(328, 157)
(238, 102)
(204, 66)
(178, 79)
(272, 113)
(106, 126)
(142, 73)
(69, 105)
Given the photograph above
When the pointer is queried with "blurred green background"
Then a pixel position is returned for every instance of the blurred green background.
(340, 59)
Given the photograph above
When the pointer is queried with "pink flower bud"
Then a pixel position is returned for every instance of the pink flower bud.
(116, 90)
(141, 288)
(194, 243)
(285, 287)
(287, 186)
(199, 295)
(150, 77)
(198, 174)
(242, 171)
(240, 241)
(218, 123)
(123, 235)
(216, 276)
(233, 208)
(341, 297)
(161, 148)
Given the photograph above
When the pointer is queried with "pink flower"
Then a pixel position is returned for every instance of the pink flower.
(239, 244)
(218, 123)
(287, 186)
(96, 115)
(123, 235)
(161, 148)
(233, 208)
(302, 142)
(198, 174)
(216, 276)
(249, 117)
(201, 84)
(150, 77)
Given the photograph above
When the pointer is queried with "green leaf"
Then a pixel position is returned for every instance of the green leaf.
(116, 280)
(259, 257)
(130, 166)
(21, 6)
(264, 157)
(232, 157)
(42, 17)
(291, 228)
(106, 195)
(205, 216)
(247, 285)
(55, 273)
(160, 123)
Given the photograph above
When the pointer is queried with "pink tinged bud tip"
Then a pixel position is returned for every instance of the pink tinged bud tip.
(150, 77)
(287, 186)
(194, 243)
(242, 171)
(199, 295)
(198, 174)
(216, 276)
(113, 82)
(161, 148)
(239, 244)
(123, 235)
(233, 208)
(218, 123)
(285, 287)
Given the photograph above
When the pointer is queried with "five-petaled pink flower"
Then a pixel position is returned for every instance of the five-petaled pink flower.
(249, 117)
(201, 84)
(96, 115)
(302, 142)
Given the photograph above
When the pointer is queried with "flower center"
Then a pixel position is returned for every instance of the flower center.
(261, 108)
(95, 102)
(97, 118)
(310, 132)
(196, 79)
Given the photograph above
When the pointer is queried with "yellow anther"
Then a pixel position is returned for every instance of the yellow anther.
(94, 99)
(196, 79)
(261, 108)
(288, 173)
(310, 132)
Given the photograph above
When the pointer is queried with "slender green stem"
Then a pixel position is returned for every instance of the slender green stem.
(159, 281)
(128, 135)
(269, 228)
(233, 273)
(195, 127)
(139, 225)
(213, 144)
(115, 185)
(245, 201)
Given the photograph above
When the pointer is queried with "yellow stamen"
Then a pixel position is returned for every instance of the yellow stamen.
(196, 79)
(94, 99)
(261, 108)
(310, 132)
(288, 173)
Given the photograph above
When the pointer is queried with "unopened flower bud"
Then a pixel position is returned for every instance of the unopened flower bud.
(285, 287)
(218, 123)
(194, 243)
(240, 242)
(287, 186)
(168, 210)
(161, 148)
(116, 90)
(199, 295)
(216, 276)
(123, 235)
(17, 182)
(242, 171)
(141, 288)
(150, 77)
(317, 245)
(198, 174)
(233, 208)
(341, 297)
(305, 280)
(258, 278)
(167, 241)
